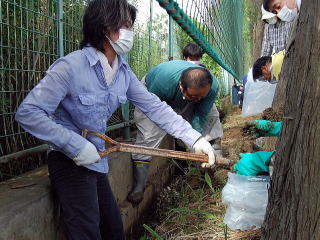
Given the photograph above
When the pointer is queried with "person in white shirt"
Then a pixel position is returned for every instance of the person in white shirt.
(286, 10)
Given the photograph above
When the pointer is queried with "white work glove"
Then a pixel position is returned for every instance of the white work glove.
(208, 138)
(203, 146)
(87, 155)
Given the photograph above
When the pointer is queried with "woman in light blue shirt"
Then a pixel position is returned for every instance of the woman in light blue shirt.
(81, 91)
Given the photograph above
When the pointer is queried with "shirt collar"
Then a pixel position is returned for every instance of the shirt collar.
(123, 63)
(93, 58)
(91, 55)
(104, 61)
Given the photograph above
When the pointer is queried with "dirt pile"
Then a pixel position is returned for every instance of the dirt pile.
(190, 207)
(272, 115)
(233, 139)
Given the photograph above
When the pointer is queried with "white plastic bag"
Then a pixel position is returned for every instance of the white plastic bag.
(258, 96)
(246, 199)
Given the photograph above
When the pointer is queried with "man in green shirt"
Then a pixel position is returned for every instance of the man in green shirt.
(193, 53)
(191, 91)
(165, 81)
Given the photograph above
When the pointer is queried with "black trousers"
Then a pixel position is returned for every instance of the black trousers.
(88, 207)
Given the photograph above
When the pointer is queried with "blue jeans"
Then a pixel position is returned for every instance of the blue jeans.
(88, 207)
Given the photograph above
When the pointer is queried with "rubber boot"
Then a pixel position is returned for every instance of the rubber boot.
(140, 174)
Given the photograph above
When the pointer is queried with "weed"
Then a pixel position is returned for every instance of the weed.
(208, 180)
(152, 232)
(186, 210)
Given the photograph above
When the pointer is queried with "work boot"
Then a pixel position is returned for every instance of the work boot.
(140, 174)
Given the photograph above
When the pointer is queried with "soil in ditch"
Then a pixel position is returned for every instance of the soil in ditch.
(272, 115)
(188, 208)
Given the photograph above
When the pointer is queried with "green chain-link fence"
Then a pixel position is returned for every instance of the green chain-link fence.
(31, 40)
(216, 25)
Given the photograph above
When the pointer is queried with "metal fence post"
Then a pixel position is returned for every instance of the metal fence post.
(125, 111)
(0, 12)
(170, 38)
(125, 115)
(150, 34)
(60, 27)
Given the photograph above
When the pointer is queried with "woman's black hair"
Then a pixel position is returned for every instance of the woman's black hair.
(104, 16)
(195, 77)
(192, 50)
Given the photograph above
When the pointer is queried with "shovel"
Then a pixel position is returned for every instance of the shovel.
(129, 148)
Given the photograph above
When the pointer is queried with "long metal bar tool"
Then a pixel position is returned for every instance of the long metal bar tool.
(129, 148)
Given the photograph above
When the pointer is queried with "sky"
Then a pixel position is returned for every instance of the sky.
(144, 10)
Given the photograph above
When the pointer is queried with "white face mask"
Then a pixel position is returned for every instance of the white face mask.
(124, 44)
(271, 70)
(287, 15)
(194, 62)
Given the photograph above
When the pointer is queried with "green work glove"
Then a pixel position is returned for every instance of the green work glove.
(264, 128)
(251, 164)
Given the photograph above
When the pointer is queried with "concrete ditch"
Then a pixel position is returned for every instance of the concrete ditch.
(28, 210)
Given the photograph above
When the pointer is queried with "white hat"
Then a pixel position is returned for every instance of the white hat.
(266, 15)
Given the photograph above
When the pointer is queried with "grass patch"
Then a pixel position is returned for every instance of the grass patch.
(190, 207)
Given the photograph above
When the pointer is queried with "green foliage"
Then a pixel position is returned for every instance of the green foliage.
(149, 50)
(218, 103)
(214, 68)
(183, 39)
(186, 206)
(192, 210)
(208, 180)
(152, 232)
(251, 12)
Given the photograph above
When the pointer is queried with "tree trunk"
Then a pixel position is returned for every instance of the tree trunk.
(288, 65)
(293, 210)
(258, 30)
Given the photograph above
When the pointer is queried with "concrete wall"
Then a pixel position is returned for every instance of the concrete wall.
(29, 212)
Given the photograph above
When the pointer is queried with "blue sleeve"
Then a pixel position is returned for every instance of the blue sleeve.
(35, 111)
(160, 112)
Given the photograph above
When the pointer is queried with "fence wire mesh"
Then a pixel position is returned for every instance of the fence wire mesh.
(216, 25)
(30, 43)
(27, 47)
